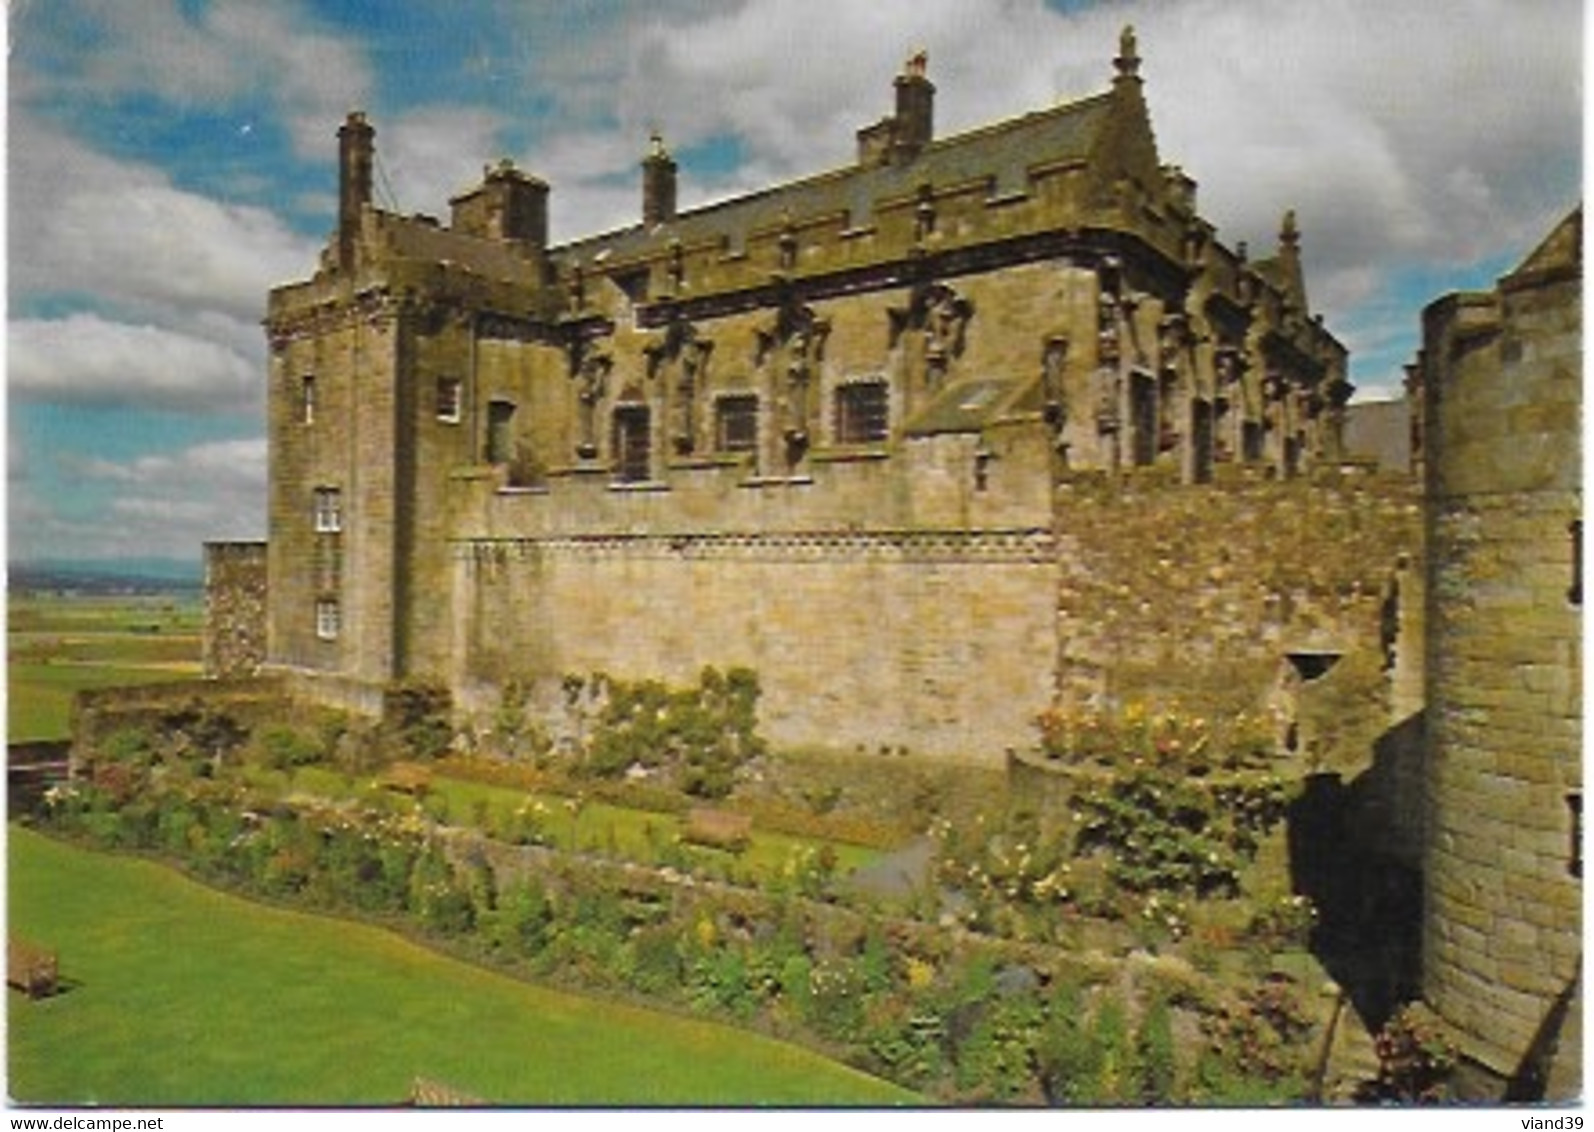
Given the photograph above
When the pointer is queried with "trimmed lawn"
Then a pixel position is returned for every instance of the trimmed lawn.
(635, 835)
(181, 995)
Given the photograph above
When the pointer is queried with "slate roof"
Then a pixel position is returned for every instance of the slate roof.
(1002, 152)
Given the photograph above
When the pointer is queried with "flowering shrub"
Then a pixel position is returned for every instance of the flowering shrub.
(1414, 1059)
(1013, 864)
(1139, 735)
(1285, 922)
(1165, 833)
(1262, 1038)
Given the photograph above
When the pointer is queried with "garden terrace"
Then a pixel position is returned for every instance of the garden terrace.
(1146, 926)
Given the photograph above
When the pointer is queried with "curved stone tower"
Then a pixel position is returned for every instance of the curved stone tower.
(1502, 391)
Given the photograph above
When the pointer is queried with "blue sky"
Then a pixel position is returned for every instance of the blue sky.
(171, 160)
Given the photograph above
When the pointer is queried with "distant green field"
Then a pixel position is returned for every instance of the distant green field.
(58, 645)
(180, 995)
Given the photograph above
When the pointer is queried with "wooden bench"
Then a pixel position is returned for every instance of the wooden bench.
(31, 969)
(718, 829)
(406, 778)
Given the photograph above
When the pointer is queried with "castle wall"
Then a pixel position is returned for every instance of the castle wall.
(234, 640)
(909, 631)
(1503, 399)
(1198, 594)
(935, 645)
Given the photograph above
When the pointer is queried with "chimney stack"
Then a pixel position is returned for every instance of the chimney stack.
(356, 158)
(915, 117)
(658, 185)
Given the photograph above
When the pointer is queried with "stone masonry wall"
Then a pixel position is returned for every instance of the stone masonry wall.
(1198, 594)
(234, 642)
(1504, 938)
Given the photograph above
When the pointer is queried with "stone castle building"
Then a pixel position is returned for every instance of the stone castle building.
(815, 431)
(971, 427)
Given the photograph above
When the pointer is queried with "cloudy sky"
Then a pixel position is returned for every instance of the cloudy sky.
(170, 160)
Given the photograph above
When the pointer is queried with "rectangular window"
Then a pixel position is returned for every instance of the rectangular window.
(633, 449)
(1144, 435)
(736, 423)
(1200, 441)
(500, 431)
(1574, 592)
(328, 510)
(448, 399)
(307, 399)
(328, 619)
(1574, 862)
(863, 412)
(328, 565)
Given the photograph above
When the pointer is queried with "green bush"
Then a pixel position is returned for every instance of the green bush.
(521, 924)
(1164, 833)
(1415, 1059)
(415, 716)
(283, 746)
(1155, 1053)
(1067, 1057)
(701, 734)
(996, 1059)
(437, 897)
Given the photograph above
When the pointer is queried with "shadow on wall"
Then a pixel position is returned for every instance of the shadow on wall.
(1535, 1077)
(1352, 849)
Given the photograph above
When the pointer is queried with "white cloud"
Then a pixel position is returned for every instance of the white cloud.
(82, 222)
(229, 49)
(1435, 135)
(84, 359)
(160, 506)
(431, 155)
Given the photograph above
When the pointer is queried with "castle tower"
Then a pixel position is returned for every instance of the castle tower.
(1502, 944)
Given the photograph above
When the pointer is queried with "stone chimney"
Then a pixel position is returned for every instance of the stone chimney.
(508, 205)
(658, 185)
(898, 138)
(356, 158)
(915, 108)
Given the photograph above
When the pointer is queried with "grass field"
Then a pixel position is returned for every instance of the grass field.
(58, 645)
(184, 996)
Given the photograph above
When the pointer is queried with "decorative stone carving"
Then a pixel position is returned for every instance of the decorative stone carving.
(941, 315)
(799, 335)
(589, 368)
